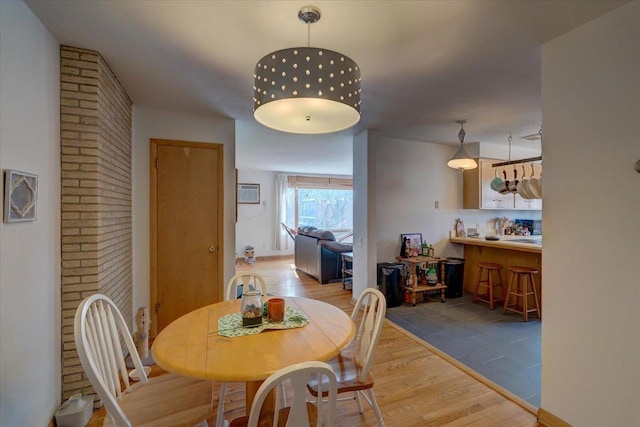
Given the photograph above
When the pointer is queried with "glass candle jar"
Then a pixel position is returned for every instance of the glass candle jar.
(251, 308)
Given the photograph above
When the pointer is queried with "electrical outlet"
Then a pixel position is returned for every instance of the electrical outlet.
(437, 204)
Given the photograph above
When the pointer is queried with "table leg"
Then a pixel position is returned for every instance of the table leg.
(250, 393)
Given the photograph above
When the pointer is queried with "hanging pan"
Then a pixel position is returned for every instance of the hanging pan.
(535, 185)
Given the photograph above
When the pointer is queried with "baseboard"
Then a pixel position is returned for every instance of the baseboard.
(266, 258)
(547, 419)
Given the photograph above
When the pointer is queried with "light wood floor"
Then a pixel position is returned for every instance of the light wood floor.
(415, 384)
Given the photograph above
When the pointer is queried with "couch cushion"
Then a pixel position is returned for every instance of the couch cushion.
(306, 229)
(322, 234)
(311, 231)
(336, 246)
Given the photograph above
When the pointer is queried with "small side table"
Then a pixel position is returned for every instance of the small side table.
(416, 288)
(347, 268)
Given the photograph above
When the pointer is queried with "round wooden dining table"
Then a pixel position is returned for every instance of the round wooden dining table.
(192, 345)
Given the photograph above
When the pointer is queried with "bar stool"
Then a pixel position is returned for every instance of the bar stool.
(524, 286)
(492, 269)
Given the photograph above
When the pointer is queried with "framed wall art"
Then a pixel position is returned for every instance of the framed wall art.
(248, 194)
(20, 196)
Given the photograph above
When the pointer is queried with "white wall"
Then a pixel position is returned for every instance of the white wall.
(261, 153)
(261, 148)
(397, 183)
(364, 215)
(151, 123)
(257, 223)
(410, 178)
(30, 263)
(591, 325)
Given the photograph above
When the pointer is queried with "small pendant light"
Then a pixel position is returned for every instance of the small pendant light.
(461, 160)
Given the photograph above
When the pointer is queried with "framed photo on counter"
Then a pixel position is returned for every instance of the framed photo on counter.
(414, 241)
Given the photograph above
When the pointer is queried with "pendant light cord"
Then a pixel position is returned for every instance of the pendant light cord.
(540, 133)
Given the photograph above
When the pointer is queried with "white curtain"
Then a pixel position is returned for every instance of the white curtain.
(281, 239)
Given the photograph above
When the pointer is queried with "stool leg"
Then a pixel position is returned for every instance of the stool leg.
(535, 295)
(508, 296)
(492, 291)
(499, 273)
(490, 284)
(478, 280)
(523, 294)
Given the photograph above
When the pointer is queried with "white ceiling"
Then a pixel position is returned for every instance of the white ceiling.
(424, 64)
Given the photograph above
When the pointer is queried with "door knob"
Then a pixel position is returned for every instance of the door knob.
(212, 248)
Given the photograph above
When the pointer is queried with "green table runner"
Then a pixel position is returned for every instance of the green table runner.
(231, 324)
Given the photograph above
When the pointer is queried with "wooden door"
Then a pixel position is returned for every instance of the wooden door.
(186, 228)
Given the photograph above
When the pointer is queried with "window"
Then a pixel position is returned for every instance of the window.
(325, 203)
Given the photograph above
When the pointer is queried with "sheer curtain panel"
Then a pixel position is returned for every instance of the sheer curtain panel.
(281, 239)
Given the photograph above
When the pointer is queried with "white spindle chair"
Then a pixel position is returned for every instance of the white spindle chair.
(166, 400)
(352, 366)
(301, 413)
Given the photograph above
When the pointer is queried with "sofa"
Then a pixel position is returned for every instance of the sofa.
(318, 254)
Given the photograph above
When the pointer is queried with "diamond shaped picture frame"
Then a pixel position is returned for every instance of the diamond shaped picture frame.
(20, 196)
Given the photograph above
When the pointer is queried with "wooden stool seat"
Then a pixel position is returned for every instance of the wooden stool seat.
(521, 269)
(490, 265)
(492, 269)
(524, 287)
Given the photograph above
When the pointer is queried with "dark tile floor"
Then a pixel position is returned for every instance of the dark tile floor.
(500, 347)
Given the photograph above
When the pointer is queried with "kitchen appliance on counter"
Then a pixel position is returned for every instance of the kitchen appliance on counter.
(533, 225)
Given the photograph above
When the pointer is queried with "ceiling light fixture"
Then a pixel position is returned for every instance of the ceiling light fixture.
(307, 90)
(461, 160)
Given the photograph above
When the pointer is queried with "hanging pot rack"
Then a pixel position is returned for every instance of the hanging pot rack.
(517, 162)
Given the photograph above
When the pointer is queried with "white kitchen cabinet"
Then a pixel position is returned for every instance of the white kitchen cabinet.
(478, 194)
(491, 199)
(527, 204)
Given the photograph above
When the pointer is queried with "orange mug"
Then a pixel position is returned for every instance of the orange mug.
(275, 310)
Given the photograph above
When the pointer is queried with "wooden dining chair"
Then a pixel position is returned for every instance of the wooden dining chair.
(166, 400)
(246, 280)
(353, 365)
(301, 413)
(252, 281)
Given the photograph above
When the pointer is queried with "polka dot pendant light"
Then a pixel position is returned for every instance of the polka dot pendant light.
(307, 90)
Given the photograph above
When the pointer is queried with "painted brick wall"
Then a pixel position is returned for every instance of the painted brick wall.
(95, 127)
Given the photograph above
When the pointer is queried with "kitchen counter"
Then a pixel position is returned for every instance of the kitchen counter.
(509, 250)
(516, 243)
